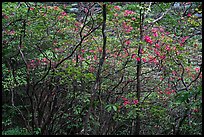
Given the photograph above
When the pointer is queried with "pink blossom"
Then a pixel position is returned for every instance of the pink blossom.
(135, 102)
(197, 69)
(95, 57)
(133, 18)
(63, 13)
(155, 34)
(141, 51)
(195, 110)
(86, 10)
(117, 8)
(144, 60)
(174, 73)
(167, 33)
(148, 39)
(150, 57)
(138, 59)
(155, 61)
(167, 48)
(189, 15)
(44, 60)
(174, 48)
(100, 50)
(187, 69)
(161, 29)
(115, 14)
(91, 69)
(91, 51)
(32, 8)
(76, 29)
(127, 42)
(154, 30)
(126, 103)
(6, 17)
(126, 27)
(124, 99)
(133, 56)
(12, 32)
(128, 12)
(172, 91)
(157, 52)
(184, 39)
(157, 45)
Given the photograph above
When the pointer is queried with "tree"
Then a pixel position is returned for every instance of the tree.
(107, 69)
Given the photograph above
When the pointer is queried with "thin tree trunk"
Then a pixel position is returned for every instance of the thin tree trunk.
(137, 122)
(98, 79)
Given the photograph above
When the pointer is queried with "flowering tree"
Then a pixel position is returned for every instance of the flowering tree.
(111, 68)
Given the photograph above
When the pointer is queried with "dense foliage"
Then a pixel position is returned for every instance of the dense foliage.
(109, 68)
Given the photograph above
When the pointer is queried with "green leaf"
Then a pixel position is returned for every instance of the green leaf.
(114, 108)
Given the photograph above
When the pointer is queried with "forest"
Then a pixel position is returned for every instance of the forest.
(102, 68)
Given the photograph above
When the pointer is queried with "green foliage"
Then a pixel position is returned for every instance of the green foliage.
(16, 131)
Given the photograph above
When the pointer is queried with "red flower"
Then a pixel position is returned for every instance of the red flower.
(95, 57)
(115, 14)
(127, 42)
(138, 59)
(187, 69)
(157, 46)
(189, 15)
(155, 34)
(12, 32)
(184, 39)
(135, 102)
(32, 61)
(91, 69)
(133, 56)
(6, 17)
(44, 60)
(174, 72)
(126, 103)
(117, 8)
(92, 51)
(195, 110)
(144, 60)
(197, 69)
(133, 18)
(86, 10)
(167, 48)
(31, 8)
(128, 12)
(63, 13)
(154, 30)
(125, 99)
(148, 39)
(100, 50)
